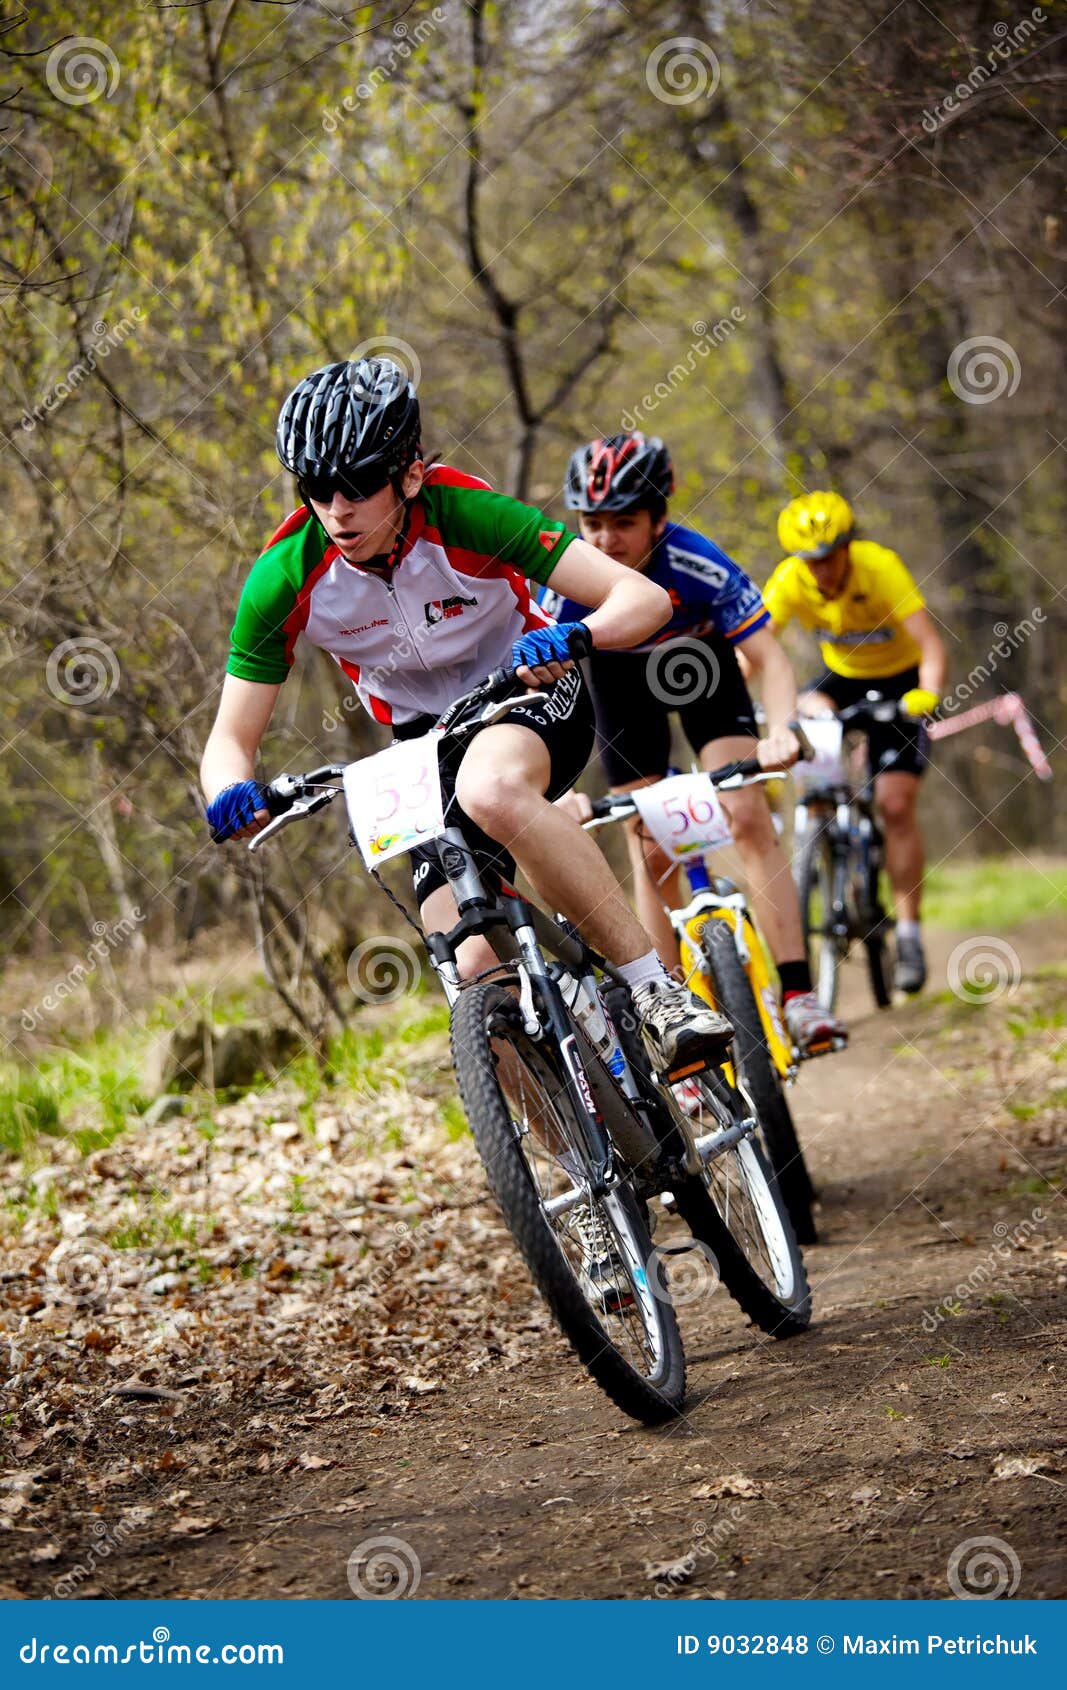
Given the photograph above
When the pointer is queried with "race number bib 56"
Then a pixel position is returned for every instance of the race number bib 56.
(684, 816)
(394, 798)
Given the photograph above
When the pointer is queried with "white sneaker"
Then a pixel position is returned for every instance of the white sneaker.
(682, 1033)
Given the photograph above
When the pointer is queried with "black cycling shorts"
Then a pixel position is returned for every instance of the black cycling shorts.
(637, 692)
(900, 746)
(564, 722)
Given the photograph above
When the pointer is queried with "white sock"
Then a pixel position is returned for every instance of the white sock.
(907, 930)
(643, 970)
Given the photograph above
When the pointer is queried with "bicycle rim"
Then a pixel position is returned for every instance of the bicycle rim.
(738, 1185)
(550, 1149)
(818, 903)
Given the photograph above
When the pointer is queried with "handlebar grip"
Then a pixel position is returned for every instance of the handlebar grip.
(603, 806)
(744, 767)
(502, 683)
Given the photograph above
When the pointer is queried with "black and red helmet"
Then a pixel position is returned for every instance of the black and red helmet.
(619, 472)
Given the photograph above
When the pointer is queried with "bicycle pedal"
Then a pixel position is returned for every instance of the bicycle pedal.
(826, 1046)
(686, 1070)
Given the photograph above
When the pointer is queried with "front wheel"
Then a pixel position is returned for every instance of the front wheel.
(874, 925)
(589, 1258)
(734, 1208)
(733, 991)
(816, 879)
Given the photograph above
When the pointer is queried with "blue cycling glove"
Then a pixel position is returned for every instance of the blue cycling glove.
(561, 643)
(234, 807)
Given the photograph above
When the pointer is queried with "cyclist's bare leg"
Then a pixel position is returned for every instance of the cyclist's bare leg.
(769, 881)
(896, 796)
(501, 785)
(653, 878)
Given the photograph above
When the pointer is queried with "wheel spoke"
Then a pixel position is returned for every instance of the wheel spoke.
(539, 1109)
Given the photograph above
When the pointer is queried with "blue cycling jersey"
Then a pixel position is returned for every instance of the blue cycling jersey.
(710, 593)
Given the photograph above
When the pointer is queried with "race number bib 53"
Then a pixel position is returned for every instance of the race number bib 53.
(684, 816)
(828, 768)
(394, 798)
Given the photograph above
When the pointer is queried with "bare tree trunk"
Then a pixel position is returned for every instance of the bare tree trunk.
(100, 821)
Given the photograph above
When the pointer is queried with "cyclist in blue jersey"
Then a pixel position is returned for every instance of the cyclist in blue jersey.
(620, 486)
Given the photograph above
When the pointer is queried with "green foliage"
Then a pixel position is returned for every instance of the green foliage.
(258, 192)
(28, 1108)
(993, 894)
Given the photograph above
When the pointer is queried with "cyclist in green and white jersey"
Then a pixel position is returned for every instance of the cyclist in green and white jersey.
(418, 581)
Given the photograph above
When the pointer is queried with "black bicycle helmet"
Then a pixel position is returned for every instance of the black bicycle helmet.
(619, 472)
(350, 416)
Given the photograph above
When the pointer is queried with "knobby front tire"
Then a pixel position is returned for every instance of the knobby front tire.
(640, 1363)
(815, 883)
(873, 927)
(734, 1209)
(733, 990)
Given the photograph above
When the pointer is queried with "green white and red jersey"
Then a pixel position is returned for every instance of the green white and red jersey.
(458, 591)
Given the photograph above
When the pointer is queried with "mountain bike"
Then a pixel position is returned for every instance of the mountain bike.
(838, 855)
(725, 964)
(575, 1130)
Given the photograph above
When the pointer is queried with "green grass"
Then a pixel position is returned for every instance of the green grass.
(86, 1093)
(993, 893)
(28, 1108)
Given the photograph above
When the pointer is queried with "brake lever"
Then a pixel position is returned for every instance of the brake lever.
(493, 712)
(298, 812)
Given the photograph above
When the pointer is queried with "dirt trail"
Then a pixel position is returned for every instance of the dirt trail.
(850, 1461)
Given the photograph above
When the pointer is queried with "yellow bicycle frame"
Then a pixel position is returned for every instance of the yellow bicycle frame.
(689, 925)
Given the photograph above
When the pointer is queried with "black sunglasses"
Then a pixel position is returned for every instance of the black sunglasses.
(350, 485)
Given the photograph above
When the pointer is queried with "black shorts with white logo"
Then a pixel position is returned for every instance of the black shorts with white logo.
(636, 692)
(563, 721)
(902, 747)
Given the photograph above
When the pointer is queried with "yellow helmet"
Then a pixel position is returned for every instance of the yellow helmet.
(810, 527)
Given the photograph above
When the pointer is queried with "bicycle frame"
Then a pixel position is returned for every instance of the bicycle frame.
(731, 906)
(723, 901)
(627, 1115)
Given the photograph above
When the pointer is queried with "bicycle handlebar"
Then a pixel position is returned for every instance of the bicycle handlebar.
(874, 708)
(290, 798)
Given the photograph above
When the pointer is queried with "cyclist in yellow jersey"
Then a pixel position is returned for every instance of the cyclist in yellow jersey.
(874, 633)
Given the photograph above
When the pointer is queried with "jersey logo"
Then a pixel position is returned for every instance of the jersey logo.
(365, 627)
(442, 610)
(703, 568)
(860, 636)
(549, 537)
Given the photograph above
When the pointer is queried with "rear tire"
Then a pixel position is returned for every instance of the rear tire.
(485, 1021)
(875, 924)
(733, 990)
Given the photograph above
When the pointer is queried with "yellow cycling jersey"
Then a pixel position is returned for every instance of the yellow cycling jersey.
(860, 633)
